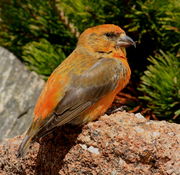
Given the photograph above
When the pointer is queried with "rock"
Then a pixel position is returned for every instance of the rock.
(114, 145)
(19, 89)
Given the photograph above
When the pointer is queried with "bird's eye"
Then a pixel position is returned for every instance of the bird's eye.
(110, 35)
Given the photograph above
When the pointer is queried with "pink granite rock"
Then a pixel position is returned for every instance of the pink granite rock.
(118, 144)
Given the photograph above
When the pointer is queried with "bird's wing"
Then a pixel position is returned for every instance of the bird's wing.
(85, 90)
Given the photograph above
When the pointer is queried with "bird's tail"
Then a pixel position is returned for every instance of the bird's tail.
(23, 148)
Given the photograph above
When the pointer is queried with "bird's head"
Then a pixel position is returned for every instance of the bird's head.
(105, 39)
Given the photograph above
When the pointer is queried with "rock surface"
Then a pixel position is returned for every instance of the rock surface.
(19, 89)
(118, 144)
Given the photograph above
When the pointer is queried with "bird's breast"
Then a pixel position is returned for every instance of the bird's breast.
(124, 75)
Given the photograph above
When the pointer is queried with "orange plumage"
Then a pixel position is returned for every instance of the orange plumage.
(84, 85)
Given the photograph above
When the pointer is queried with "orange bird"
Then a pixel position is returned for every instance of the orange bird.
(84, 85)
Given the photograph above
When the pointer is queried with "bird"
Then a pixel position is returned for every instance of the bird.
(84, 85)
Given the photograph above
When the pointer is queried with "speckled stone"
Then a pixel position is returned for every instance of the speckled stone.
(118, 144)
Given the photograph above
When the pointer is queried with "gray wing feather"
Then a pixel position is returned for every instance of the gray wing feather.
(83, 93)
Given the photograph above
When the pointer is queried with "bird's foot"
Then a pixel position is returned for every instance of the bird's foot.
(114, 110)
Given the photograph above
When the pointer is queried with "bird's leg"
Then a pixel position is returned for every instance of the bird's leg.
(116, 109)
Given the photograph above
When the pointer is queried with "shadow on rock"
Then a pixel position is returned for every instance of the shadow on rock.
(54, 147)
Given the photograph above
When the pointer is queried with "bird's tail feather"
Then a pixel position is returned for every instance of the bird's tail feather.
(24, 146)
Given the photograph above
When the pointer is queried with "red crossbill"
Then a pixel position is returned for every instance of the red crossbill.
(84, 85)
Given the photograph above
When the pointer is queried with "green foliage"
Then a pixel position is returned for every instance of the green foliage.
(24, 21)
(22, 26)
(157, 23)
(155, 18)
(86, 13)
(161, 85)
(42, 56)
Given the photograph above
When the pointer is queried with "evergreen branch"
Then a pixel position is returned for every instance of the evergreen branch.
(161, 86)
(65, 20)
